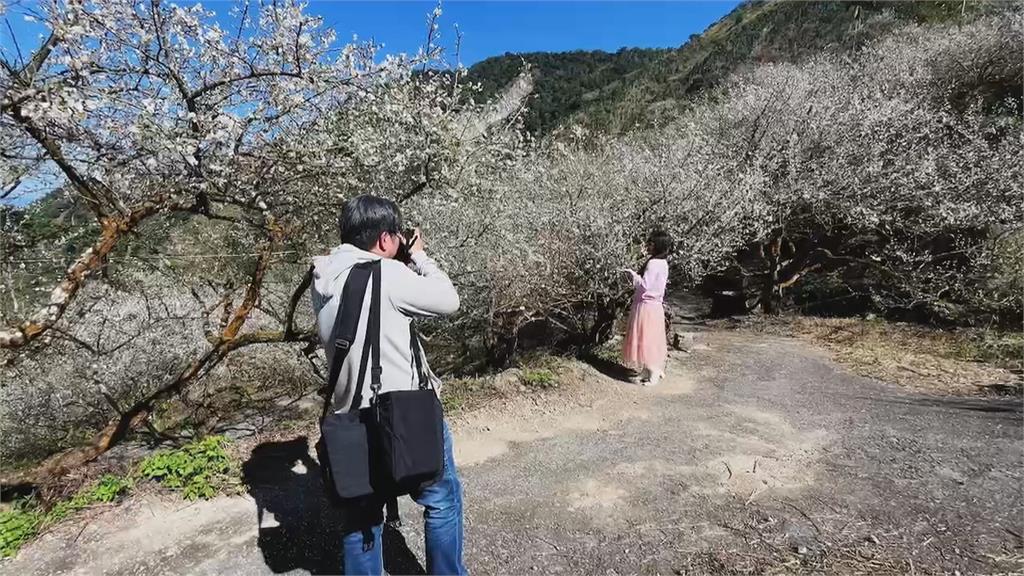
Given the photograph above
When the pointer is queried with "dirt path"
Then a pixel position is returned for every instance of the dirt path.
(758, 454)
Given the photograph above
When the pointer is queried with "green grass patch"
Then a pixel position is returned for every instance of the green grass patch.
(108, 489)
(609, 352)
(199, 469)
(539, 370)
(17, 526)
(1002, 349)
(542, 378)
(26, 519)
(461, 394)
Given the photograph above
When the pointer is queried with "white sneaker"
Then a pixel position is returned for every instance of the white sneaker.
(654, 379)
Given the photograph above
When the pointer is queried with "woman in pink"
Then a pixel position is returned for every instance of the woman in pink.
(646, 347)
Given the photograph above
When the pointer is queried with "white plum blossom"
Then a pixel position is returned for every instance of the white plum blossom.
(204, 160)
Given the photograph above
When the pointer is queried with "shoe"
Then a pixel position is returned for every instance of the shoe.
(654, 379)
(645, 377)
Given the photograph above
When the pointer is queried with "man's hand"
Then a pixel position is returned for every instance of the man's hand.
(417, 241)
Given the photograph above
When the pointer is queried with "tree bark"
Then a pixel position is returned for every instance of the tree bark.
(118, 429)
(229, 340)
(112, 230)
(771, 294)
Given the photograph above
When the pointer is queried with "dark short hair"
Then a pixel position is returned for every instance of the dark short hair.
(364, 218)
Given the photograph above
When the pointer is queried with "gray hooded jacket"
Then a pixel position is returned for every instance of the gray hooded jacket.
(422, 290)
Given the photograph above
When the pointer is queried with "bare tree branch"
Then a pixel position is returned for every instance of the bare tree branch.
(112, 230)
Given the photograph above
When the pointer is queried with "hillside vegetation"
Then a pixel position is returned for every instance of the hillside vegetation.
(844, 158)
(620, 91)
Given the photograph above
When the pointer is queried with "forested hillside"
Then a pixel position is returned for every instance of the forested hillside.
(632, 87)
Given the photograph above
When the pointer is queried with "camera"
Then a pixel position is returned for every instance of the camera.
(408, 238)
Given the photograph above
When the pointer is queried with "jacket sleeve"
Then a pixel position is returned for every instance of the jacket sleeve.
(425, 292)
(654, 278)
(637, 279)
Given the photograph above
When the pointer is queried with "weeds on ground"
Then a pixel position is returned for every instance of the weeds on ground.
(541, 378)
(17, 526)
(540, 370)
(198, 469)
(963, 362)
(1003, 349)
(108, 489)
(610, 352)
(26, 519)
(536, 371)
(463, 394)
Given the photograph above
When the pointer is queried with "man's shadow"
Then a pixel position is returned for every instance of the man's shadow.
(298, 527)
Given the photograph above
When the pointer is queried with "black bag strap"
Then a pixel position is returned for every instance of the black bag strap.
(346, 322)
(371, 343)
(357, 396)
(373, 330)
(417, 357)
(393, 518)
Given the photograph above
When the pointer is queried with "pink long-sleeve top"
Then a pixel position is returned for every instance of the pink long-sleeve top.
(651, 286)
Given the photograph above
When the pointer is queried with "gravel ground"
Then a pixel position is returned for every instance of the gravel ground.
(757, 454)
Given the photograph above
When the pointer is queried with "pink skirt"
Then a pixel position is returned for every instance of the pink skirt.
(646, 344)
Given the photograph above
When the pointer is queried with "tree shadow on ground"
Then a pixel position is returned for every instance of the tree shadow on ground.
(298, 527)
(608, 368)
(999, 407)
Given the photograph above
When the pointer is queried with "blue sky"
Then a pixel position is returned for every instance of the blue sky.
(493, 28)
(489, 28)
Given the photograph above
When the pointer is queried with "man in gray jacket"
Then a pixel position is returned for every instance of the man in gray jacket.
(371, 230)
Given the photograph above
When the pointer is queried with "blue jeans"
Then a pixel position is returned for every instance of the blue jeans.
(442, 519)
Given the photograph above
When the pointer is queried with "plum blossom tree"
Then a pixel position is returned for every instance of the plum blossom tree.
(892, 165)
(147, 109)
(185, 137)
(210, 157)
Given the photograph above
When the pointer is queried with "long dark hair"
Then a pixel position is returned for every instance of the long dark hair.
(660, 245)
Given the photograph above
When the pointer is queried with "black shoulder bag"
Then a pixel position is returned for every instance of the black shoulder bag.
(409, 433)
(343, 448)
(395, 446)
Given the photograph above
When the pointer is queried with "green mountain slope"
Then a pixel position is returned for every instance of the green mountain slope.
(630, 88)
(565, 82)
